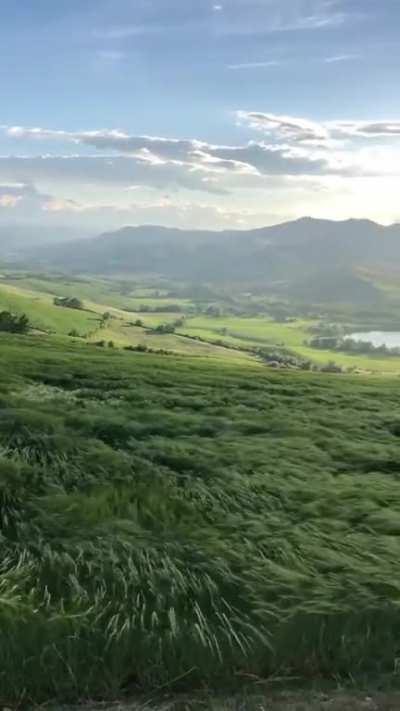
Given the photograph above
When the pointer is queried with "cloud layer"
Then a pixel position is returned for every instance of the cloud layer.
(303, 131)
(198, 165)
(294, 154)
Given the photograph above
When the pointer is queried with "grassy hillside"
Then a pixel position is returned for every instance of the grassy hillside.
(42, 313)
(114, 293)
(238, 335)
(168, 523)
(47, 318)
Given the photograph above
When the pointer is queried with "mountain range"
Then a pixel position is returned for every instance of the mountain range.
(294, 254)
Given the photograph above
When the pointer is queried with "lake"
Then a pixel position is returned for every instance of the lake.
(391, 339)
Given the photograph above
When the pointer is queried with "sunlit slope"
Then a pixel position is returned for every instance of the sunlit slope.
(120, 329)
(115, 293)
(42, 313)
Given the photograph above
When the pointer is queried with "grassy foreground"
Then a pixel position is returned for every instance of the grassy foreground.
(167, 525)
(339, 701)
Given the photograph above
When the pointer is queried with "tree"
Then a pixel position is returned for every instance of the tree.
(327, 342)
(105, 318)
(164, 328)
(68, 302)
(214, 311)
(14, 324)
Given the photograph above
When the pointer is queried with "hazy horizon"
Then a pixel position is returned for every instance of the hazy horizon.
(36, 234)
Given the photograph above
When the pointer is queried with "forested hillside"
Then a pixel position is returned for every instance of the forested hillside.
(292, 252)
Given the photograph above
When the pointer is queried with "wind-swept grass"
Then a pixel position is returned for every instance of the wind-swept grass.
(168, 523)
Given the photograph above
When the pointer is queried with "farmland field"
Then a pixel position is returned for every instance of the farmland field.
(237, 337)
(49, 319)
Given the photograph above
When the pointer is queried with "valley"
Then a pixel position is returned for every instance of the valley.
(207, 319)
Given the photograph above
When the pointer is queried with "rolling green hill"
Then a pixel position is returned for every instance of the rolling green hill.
(42, 313)
(48, 319)
(167, 524)
(226, 336)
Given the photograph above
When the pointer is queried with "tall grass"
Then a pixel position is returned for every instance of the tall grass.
(164, 525)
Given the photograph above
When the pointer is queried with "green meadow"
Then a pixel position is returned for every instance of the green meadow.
(181, 522)
(256, 332)
(46, 318)
(227, 336)
(185, 517)
(42, 313)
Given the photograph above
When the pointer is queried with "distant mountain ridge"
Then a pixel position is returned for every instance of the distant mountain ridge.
(292, 252)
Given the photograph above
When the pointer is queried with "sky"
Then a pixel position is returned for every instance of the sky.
(198, 113)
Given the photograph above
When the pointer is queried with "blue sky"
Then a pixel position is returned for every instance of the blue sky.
(234, 83)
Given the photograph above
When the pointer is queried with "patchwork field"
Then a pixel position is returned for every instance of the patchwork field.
(257, 332)
(46, 318)
(194, 330)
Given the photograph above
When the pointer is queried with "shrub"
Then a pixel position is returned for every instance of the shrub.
(14, 324)
(68, 302)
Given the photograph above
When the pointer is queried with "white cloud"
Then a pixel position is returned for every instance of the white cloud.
(119, 171)
(255, 17)
(255, 65)
(284, 127)
(232, 17)
(298, 162)
(27, 205)
(21, 200)
(316, 21)
(195, 162)
(122, 32)
(366, 129)
(275, 160)
(337, 58)
(295, 129)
